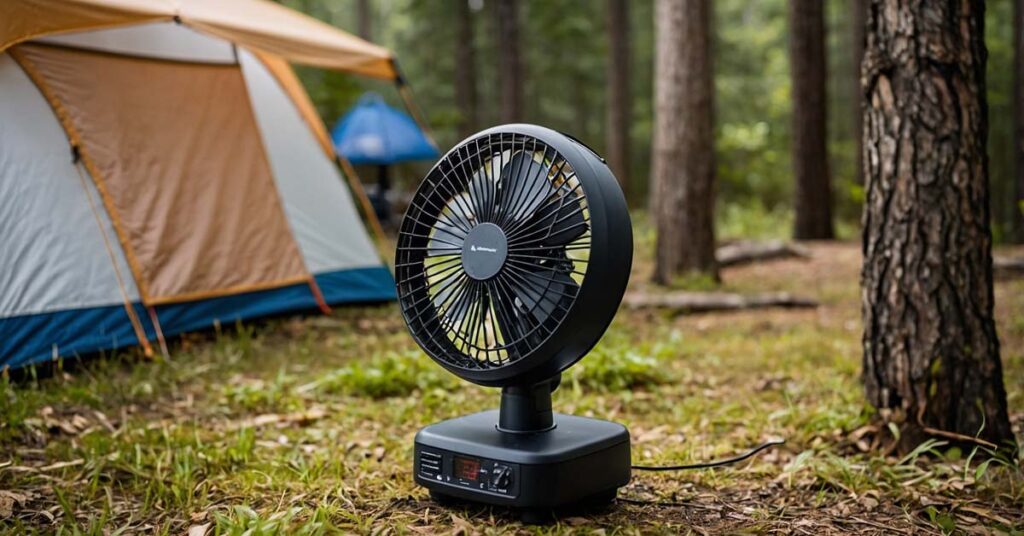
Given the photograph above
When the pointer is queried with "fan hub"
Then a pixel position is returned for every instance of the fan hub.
(484, 251)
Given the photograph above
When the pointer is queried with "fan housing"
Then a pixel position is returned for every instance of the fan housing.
(511, 261)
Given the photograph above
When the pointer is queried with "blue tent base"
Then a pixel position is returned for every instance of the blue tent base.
(31, 339)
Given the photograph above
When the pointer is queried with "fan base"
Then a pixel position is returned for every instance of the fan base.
(580, 462)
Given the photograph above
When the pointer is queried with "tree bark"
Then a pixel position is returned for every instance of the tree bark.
(619, 95)
(1018, 113)
(465, 70)
(931, 355)
(510, 62)
(813, 191)
(365, 16)
(858, 20)
(683, 147)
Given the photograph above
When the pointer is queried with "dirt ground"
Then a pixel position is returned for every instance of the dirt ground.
(305, 425)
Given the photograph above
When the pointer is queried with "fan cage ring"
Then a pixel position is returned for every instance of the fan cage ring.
(533, 194)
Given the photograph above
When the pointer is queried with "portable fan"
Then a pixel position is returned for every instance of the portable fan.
(512, 260)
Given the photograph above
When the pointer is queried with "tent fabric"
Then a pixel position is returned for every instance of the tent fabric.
(257, 24)
(157, 40)
(285, 76)
(52, 254)
(375, 133)
(30, 339)
(307, 180)
(182, 168)
(59, 289)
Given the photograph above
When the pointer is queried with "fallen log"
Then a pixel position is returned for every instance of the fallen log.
(704, 302)
(746, 252)
(1008, 266)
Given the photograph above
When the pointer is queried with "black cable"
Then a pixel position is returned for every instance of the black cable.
(708, 465)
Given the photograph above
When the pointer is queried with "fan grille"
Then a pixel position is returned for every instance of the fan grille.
(532, 194)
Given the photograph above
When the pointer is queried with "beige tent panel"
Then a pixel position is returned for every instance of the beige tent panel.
(256, 24)
(176, 154)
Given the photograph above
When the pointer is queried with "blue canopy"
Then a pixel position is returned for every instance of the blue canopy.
(375, 133)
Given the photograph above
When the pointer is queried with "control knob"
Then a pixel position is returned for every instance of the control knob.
(501, 477)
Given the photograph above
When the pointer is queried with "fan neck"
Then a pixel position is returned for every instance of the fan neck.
(527, 409)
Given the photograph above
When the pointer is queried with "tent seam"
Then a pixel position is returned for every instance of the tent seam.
(228, 291)
(133, 319)
(310, 280)
(351, 177)
(76, 140)
(11, 43)
(320, 129)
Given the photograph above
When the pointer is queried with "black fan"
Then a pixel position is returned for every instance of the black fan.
(512, 260)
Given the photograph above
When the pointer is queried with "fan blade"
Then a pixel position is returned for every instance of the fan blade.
(554, 224)
(480, 333)
(483, 187)
(461, 207)
(454, 306)
(541, 291)
(525, 185)
(446, 240)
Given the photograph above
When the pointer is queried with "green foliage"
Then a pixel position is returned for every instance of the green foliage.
(734, 221)
(388, 375)
(263, 396)
(620, 363)
(752, 103)
(942, 520)
(999, 81)
(189, 448)
(244, 521)
(565, 54)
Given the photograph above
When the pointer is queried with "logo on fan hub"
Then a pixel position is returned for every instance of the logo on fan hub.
(484, 262)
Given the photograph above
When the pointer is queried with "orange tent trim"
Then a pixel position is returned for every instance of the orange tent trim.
(255, 24)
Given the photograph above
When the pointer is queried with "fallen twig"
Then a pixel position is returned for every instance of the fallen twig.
(702, 302)
(1008, 266)
(300, 417)
(745, 252)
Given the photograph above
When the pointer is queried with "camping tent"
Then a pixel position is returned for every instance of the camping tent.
(162, 170)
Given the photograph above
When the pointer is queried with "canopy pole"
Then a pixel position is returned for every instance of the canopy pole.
(357, 188)
(318, 296)
(405, 92)
(155, 320)
(129, 309)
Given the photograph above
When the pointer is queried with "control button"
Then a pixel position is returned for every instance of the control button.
(501, 477)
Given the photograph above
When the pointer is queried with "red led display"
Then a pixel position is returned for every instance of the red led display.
(467, 468)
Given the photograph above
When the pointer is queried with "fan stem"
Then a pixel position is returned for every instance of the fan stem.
(527, 408)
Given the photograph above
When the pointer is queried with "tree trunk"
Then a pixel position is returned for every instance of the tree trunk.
(619, 95)
(683, 148)
(510, 63)
(1018, 111)
(813, 193)
(465, 70)
(858, 20)
(365, 15)
(931, 355)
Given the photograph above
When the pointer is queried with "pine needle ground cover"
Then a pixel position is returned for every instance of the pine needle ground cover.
(305, 425)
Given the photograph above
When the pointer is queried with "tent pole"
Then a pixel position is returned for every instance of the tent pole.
(405, 92)
(364, 201)
(129, 310)
(318, 296)
(159, 332)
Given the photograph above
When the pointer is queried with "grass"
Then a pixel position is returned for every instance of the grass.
(305, 425)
